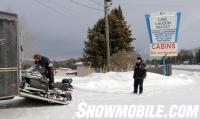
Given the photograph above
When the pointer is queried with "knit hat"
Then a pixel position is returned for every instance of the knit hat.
(36, 56)
(139, 58)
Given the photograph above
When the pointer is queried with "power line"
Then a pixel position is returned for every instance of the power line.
(57, 11)
(54, 10)
(86, 6)
(51, 8)
(98, 3)
(63, 6)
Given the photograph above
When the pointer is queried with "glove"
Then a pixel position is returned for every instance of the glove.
(50, 65)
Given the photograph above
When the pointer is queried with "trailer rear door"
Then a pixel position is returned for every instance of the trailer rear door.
(9, 66)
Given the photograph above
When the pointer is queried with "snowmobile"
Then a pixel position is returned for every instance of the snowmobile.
(35, 85)
(30, 83)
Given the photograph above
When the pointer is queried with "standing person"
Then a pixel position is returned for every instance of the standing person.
(139, 75)
(47, 65)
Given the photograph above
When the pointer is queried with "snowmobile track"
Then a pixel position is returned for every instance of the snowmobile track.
(22, 94)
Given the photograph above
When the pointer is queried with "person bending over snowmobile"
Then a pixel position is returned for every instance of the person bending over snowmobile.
(45, 63)
(139, 75)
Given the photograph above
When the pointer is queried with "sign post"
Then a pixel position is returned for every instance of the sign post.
(164, 66)
(163, 30)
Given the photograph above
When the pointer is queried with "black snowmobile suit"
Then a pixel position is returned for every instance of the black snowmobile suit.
(49, 72)
(139, 76)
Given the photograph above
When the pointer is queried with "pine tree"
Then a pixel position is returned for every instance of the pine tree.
(120, 38)
(198, 57)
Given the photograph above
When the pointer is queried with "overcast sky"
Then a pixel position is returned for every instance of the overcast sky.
(58, 28)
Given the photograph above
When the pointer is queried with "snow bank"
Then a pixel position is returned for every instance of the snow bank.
(122, 82)
(194, 75)
(186, 67)
(108, 82)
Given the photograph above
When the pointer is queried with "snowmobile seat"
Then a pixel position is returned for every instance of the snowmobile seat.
(69, 81)
(62, 86)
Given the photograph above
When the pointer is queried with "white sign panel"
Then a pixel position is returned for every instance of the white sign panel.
(162, 49)
(163, 32)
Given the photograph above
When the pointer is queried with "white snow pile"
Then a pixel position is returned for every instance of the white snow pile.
(122, 82)
(197, 67)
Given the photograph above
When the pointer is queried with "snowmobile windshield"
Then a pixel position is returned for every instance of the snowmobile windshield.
(32, 72)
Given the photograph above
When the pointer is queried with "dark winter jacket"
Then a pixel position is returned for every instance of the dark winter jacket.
(139, 71)
(45, 63)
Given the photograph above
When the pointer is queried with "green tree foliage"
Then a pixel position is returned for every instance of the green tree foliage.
(198, 57)
(120, 38)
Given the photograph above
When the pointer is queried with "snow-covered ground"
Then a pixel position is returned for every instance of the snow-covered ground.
(183, 87)
(187, 67)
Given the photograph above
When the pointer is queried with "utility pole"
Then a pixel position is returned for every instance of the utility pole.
(107, 33)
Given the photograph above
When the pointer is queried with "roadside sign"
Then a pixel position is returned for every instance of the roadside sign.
(163, 30)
